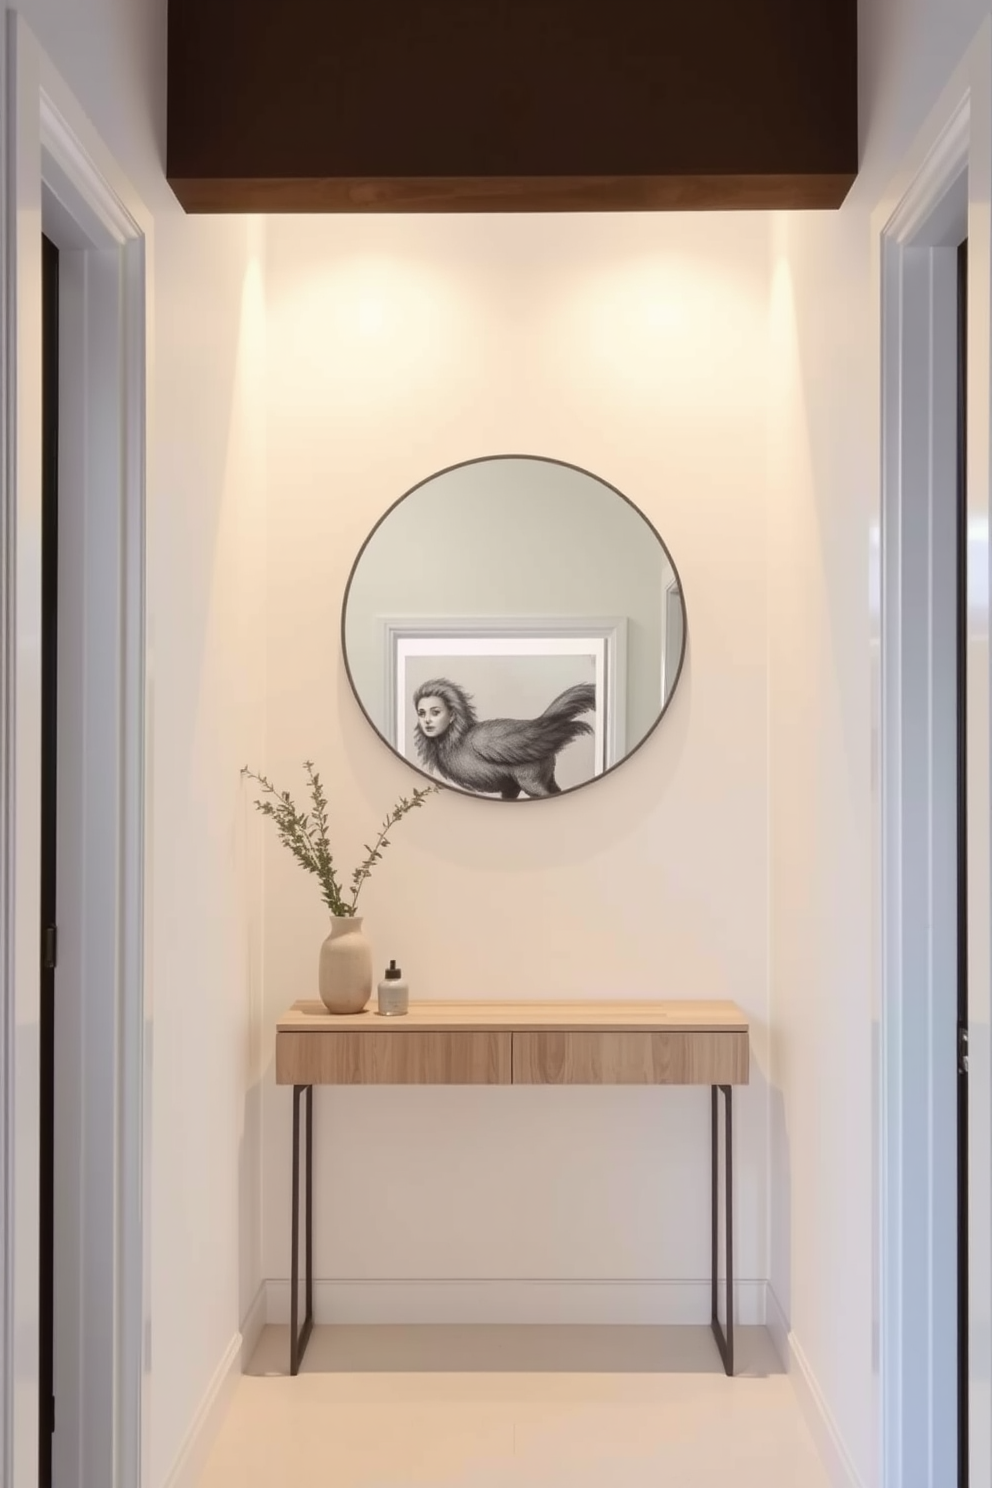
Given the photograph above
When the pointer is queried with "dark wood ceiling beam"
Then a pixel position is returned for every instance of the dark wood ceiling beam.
(511, 105)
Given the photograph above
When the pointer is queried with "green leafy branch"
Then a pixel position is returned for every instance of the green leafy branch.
(397, 814)
(305, 834)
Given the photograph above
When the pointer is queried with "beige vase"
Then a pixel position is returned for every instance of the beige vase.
(345, 977)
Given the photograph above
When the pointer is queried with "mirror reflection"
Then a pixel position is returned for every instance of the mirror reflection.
(514, 627)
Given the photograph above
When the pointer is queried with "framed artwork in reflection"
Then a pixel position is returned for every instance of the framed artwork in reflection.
(513, 709)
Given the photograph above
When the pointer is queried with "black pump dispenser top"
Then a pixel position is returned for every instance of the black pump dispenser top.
(393, 973)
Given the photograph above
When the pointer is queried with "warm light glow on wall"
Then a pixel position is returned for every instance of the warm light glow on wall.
(253, 308)
(366, 327)
(666, 329)
(371, 316)
(253, 352)
(666, 314)
(396, 316)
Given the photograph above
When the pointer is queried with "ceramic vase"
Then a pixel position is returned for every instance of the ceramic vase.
(345, 976)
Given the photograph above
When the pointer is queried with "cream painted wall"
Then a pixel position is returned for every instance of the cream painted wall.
(822, 495)
(636, 348)
(819, 763)
(208, 659)
(207, 666)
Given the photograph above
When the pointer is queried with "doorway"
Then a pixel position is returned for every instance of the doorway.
(74, 1121)
(932, 821)
(961, 877)
(49, 842)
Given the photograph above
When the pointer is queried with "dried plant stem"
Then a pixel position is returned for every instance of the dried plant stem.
(305, 835)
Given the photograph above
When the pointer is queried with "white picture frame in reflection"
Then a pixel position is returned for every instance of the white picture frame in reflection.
(672, 638)
(551, 692)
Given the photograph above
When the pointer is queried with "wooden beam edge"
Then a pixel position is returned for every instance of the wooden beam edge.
(427, 194)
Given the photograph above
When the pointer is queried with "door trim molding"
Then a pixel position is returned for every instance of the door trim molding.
(54, 164)
(941, 193)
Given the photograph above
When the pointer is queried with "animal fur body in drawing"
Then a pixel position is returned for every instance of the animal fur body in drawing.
(504, 756)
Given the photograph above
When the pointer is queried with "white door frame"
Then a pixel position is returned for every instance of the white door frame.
(56, 176)
(944, 191)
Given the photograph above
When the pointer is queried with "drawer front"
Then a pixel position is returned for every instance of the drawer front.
(626, 1058)
(393, 1057)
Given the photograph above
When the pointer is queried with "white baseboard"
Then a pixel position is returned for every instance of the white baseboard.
(822, 1426)
(193, 1454)
(254, 1321)
(500, 1301)
(778, 1326)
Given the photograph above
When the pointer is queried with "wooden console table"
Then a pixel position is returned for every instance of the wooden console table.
(515, 1043)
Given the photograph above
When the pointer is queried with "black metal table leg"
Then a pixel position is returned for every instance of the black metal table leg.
(724, 1337)
(300, 1337)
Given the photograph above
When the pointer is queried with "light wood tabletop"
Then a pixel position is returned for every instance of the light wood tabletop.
(519, 1043)
(631, 1016)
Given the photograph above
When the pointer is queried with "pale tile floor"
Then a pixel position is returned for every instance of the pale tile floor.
(478, 1407)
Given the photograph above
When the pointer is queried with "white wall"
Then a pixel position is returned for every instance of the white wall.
(636, 348)
(819, 773)
(823, 493)
(207, 564)
(207, 666)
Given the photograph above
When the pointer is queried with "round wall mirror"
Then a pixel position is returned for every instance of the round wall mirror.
(514, 627)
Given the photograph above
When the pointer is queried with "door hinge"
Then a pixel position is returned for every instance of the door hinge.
(962, 1048)
(51, 954)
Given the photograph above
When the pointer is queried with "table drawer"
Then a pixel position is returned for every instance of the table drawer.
(615, 1057)
(393, 1057)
